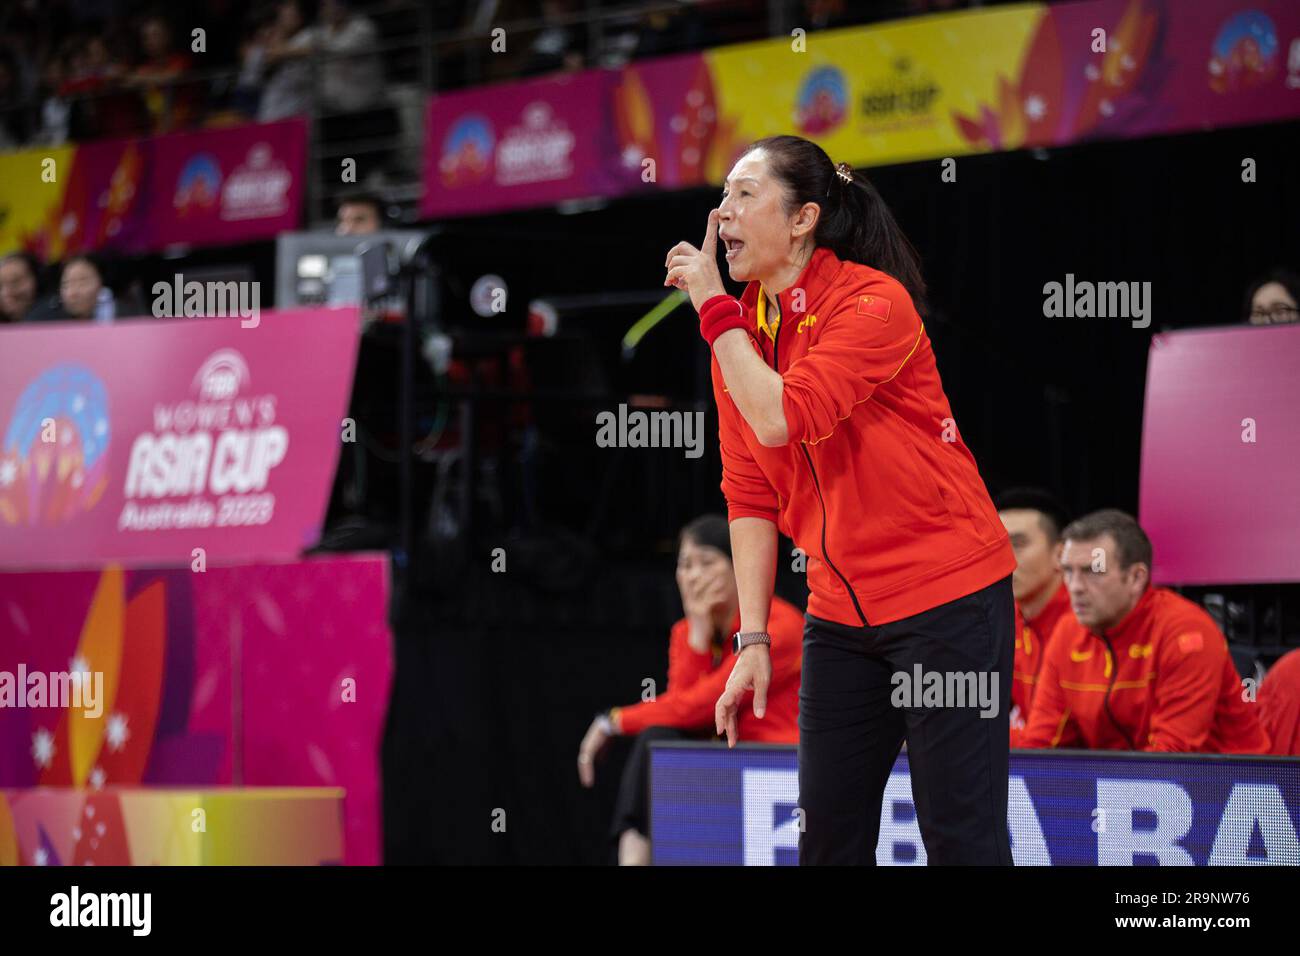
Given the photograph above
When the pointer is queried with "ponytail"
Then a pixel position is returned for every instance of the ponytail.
(855, 222)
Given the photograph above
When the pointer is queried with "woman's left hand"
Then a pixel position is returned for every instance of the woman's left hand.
(696, 270)
(591, 750)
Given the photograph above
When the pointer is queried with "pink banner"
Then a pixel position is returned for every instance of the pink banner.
(1168, 68)
(228, 185)
(665, 110)
(1220, 486)
(518, 144)
(171, 441)
(208, 187)
(258, 676)
(105, 203)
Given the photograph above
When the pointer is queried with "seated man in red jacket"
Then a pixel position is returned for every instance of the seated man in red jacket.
(700, 658)
(1034, 520)
(1137, 667)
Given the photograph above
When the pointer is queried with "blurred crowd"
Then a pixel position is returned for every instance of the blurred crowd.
(91, 288)
(77, 70)
(85, 70)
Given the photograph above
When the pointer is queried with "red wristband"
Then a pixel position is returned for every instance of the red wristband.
(719, 314)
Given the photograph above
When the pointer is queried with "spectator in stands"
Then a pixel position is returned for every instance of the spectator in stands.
(1034, 519)
(19, 285)
(23, 50)
(359, 214)
(1273, 299)
(14, 120)
(352, 76)
(82, 295)
(1279, 705)
(350, 88)
(98, 104)
(260, 34)
(557, 46)
(170, 105)
(55, 109)
(283, 52)
(1137, 667)
(661, 31)
(700, 657)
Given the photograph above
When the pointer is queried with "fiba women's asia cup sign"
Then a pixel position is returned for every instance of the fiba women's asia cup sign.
(145, 440)
(216, 452)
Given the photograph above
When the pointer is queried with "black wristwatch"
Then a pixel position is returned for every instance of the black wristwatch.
(741, 640)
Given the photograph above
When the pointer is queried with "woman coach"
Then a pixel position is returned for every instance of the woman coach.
(834, 425)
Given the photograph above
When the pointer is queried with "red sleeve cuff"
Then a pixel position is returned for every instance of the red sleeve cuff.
(629, 720)
(719, 314)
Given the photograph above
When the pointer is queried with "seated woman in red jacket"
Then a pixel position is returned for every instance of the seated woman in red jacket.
(700, 658)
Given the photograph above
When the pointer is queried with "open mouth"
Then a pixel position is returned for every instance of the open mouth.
(734, 246)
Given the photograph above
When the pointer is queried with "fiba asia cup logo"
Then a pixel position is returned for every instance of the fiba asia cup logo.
(1245, 53)
(822, 102)
(221, 376)
(467, 151)
(198, 186)
(53, 462)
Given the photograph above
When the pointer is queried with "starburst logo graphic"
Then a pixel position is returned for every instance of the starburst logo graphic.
(43, 748)
(53, 463)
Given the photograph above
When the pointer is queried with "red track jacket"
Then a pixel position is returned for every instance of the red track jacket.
(1279, 704)
(695, 683)
(1162, 679)
(875, 485)
(1031, 644)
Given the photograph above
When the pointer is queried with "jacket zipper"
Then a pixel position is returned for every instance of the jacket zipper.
(826, 557)
(1105, 701)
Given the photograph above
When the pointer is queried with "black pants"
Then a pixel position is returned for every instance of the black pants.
(851, 731)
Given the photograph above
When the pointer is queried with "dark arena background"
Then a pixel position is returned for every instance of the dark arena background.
(325, 324)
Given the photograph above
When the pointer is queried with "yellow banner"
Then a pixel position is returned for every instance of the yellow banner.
(871, 95)
(34, 183)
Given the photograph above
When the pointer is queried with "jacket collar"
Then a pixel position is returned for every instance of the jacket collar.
(1059, 602)
(816, 279)
(1132, 623)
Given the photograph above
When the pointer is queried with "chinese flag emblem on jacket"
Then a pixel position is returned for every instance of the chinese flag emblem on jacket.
(874, 306)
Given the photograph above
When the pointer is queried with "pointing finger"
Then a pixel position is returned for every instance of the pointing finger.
(710, 246)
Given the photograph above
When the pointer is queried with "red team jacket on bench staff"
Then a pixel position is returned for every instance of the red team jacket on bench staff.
(875, 485)
(1160, 680)
(695, 683)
